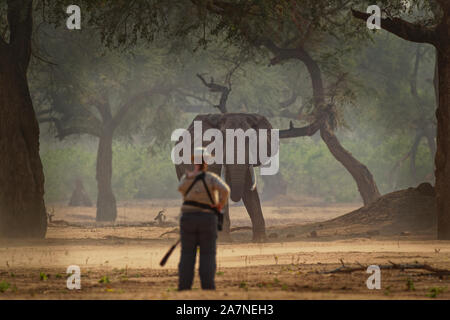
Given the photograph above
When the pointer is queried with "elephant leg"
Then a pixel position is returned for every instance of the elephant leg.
(225, 234)
(253, 206)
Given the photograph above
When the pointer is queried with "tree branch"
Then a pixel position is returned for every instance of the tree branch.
(63, 132)
(126, 107)
(403, 29)
(102, 105)
(214, 87)
(280, 54)
(300, 132)
(392, 266)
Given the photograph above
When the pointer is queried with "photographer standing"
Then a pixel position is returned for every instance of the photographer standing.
(204, 194)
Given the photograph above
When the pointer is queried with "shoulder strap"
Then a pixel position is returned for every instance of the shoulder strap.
(207, 190)
(198, 177)
(201, 176)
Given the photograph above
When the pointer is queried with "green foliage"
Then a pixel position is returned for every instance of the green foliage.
(382, 128)
(410, 285)
(436, 291)
(63, 165)
(305, 163)
(4, 286)
(141, 175)
(104, 280)
(43, 276)
(311, 170)
(243, 285)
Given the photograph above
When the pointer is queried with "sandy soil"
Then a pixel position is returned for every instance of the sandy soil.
(289, 266)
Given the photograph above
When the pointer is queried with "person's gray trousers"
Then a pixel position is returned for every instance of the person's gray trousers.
(197, 229)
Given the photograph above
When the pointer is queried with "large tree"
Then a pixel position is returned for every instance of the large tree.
(103, 94)
(304, 31)
(255, 23)
(22, 208)
(433, 29)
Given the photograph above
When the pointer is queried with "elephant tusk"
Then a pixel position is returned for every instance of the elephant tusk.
(253, 177)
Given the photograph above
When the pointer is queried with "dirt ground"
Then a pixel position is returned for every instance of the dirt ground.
(121, 260)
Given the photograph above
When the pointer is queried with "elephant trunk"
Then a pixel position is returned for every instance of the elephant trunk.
(236, 179)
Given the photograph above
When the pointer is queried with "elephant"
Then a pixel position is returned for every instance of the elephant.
(240, 177)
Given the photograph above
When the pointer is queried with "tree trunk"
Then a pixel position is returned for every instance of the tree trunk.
(362, 176)
(360, 173)
(22, 208)
(106, 202)
(442, 160)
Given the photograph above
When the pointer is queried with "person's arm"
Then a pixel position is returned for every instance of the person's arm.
(183, 185)
(224, 191)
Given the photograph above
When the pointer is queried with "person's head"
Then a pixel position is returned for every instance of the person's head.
(199, 158)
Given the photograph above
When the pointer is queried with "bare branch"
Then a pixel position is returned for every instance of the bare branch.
(214, 87)
(280, 54)
(300, 132)
(392, 266)
(403, 29)
(102, 106)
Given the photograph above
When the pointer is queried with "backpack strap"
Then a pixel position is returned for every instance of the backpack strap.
(198, 177)
(201, 176)
(207, 190)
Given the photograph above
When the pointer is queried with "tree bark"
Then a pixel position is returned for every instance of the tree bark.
(22, 208)
(106, 201)
(442, 160)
